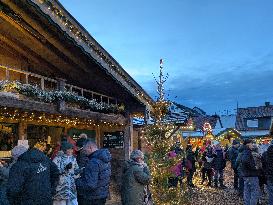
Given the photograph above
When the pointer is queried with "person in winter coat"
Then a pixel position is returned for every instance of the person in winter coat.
(136, 176)
(32, 179)
(93, 185)
(16, 152)
(190, 165)
(207, 160)
(268, 167)
(218, 164)
(259, 165)
(175, 170)
(233, 154)
(250, 174)
(238, 166)
(66, 193)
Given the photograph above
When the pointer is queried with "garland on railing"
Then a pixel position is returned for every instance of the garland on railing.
(35, 92)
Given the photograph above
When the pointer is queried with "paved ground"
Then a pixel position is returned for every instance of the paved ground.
(210, 196)
(203, 195)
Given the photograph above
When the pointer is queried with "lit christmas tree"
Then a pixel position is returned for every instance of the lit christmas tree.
(159, 136)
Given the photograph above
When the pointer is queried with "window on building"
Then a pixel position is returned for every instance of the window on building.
(252, 123)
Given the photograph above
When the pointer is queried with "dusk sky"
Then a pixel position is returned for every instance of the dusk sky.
(217, 52)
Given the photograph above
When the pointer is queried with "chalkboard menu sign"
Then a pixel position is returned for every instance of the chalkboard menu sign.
(113, 140)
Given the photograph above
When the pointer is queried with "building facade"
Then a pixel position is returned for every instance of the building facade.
(55, 78)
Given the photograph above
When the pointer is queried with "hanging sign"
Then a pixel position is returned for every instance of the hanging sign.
(113, 140)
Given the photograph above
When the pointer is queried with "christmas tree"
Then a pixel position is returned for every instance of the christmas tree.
(159, 137)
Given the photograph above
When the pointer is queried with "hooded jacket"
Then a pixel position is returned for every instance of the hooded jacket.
(233, 154)
(135, 178)
(32, 179)
(95, 180)
(219, 161)
(238, 163)
(4, 175)
(248, 164)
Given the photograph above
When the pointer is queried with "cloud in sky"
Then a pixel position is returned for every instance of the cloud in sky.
(217, 52)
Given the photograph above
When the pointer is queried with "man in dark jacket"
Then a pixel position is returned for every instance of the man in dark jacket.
(190, 164)
(93, 186)
(207, 159)
(268, 167)
(238, 165)
(250, 174)
(233, 154)
(32, 179)
(218, 164)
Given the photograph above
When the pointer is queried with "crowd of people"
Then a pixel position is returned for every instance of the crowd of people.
(252, 165)
(79, 173)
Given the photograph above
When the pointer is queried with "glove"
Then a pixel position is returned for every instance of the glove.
(68, 166)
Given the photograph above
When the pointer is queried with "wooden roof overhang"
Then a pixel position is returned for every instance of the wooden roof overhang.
(33, 31)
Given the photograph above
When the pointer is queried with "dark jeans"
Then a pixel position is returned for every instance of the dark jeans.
(207, 172)
(270, 191)
(236, 179)
(190, 177)
(82, 201)
(251, 190)
(219, 177)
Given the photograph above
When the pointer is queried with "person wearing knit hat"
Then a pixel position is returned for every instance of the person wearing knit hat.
(250, 173)
(66, 146)
(136, 155)
(4, 172)
(17, 151)
(136, 177)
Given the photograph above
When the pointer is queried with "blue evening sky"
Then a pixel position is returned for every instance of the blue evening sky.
(217, 52)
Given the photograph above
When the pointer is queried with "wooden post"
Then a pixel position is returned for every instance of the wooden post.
(128, 137)
(42, 83)
(61, 87)
(22, 130)
(26, 78)
(98, 137)
(7, 74)
(82, 91)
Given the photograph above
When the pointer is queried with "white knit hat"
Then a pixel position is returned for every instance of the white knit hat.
(18, 150)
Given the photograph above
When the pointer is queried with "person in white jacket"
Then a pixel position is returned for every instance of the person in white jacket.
(66, 193)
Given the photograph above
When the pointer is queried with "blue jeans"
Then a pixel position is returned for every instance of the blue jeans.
(270, 191)
(219, 177)
(251, 190)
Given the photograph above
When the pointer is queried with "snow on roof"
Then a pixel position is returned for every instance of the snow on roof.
(227, 121)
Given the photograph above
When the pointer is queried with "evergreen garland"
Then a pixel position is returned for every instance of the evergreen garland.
(36, 93)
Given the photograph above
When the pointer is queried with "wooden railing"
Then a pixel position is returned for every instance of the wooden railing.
(45, 83)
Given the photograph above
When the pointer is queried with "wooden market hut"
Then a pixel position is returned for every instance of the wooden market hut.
(55, 77)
